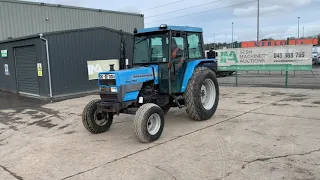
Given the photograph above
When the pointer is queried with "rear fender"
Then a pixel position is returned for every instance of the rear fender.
(191, 65)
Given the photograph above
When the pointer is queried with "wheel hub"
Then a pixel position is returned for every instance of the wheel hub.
(101, 118)
(208, 94)
(203, 93)
(154, 123)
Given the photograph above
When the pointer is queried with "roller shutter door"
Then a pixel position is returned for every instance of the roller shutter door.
(26, 70)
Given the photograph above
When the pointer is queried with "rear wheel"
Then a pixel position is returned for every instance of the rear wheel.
(94, 121)
(148, 123)
(202, 94)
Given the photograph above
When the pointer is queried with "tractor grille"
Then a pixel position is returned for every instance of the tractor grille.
(107, 82)
(109, 97)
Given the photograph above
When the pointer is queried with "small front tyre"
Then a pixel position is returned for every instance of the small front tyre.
(148, 123)
(94, 121)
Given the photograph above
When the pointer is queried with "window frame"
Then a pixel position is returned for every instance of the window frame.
(185, 43)
(150, 35)
(201, 46)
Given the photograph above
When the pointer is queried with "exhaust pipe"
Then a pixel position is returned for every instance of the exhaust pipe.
(111, 67)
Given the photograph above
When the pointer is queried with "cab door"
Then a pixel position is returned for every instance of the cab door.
(179, 54)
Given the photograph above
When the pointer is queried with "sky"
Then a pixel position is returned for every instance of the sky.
(278, 18)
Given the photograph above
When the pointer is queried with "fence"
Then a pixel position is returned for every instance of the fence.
(296, 79)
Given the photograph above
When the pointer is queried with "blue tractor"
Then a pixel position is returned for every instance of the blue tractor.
(169, 69)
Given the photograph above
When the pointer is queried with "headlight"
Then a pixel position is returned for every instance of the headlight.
(113, 89)
(107, 76)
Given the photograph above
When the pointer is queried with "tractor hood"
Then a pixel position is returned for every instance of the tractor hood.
(128, 76)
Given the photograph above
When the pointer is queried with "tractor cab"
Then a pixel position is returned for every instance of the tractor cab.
(170, 48)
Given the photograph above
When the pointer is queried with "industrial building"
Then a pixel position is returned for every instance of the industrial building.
(46, 48)
(55, 64)
(22, 18)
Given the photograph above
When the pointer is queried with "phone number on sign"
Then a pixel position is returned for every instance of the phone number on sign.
(289, 55)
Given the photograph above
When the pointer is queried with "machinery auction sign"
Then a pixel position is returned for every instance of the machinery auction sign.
(97, 66)
(292, 57)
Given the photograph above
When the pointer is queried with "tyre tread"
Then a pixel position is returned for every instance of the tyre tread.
(88, 122)
(192, 109)
(137, 121)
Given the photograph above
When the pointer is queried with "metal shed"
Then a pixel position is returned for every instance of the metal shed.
(22, 18)
(25, 68)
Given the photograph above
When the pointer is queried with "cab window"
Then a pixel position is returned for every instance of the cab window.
(195, 45)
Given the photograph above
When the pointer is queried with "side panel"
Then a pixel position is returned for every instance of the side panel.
(156, 73)
(130, 81)
(131, 96)
(189, 71)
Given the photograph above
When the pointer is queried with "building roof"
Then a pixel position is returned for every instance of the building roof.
(64, 31)
(69, 7)
(174, 28)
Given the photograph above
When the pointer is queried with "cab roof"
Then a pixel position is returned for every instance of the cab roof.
(174, 28)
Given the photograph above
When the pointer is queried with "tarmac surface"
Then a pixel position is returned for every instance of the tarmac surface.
(256, 133)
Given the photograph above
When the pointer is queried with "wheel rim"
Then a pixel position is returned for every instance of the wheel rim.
(100, 118)
(208, 94)
(154, 123)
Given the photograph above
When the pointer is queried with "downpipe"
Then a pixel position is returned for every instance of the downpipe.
(48, 63)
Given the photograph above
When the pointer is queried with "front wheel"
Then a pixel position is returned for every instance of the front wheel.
(94, 121)
(202, 94)
(148, 123)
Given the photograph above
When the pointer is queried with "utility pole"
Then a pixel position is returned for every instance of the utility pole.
(225, 39)
(298, 27)
(260, 37)
(258, 15)
(232, 36)
(214, 41)
(303, 31)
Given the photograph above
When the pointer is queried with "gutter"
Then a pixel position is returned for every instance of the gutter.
(48, 63)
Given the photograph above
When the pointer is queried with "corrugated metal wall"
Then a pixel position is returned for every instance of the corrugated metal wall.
(19, 19)
(70, 51)
(9, 83)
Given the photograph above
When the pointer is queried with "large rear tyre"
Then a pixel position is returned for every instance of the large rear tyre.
(94, 121)
(202, 94)
(148, 123)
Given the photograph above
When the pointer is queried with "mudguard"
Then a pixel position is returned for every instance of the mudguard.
(191, 65)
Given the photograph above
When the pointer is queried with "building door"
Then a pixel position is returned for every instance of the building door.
(26, 70)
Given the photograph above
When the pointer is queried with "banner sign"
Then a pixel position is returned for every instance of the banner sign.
(97, 66)
(294, 57)
(4, 53)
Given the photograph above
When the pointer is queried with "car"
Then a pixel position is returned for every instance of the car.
(315, 58)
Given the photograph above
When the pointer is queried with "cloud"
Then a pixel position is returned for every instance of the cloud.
(278, 18)
(131, 9)
(270, 6)
(253, 10)
(63, 2)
